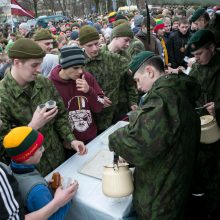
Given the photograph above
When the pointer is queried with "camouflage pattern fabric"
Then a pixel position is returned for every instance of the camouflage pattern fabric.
(17, 108)
(161, 141)
(128, 95)
(207, 175)
(108, 69)
(135, 47)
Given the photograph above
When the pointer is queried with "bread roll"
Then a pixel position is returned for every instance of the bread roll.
(56, 181)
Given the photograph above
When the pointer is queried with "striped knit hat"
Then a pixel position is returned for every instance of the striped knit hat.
(22, 142)
(159, 25)
(71, 56)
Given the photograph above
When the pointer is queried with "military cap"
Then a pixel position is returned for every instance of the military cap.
(25, 48)
(118, 22)
(87, 34)
(43, 34)
(138, 60)
(122, 30)
(200, 38)
(198, 13)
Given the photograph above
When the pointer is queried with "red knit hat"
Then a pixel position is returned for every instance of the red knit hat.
(22, 142)
(159, 25)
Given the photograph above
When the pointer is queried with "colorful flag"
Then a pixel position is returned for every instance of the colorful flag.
(17, 9)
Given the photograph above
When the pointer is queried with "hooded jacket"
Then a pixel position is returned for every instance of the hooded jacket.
(161, 141)
(79, 105)
(153, 47)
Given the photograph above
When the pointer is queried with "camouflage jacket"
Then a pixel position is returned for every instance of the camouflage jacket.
(108, 69)
(135, 47)
(209, 78)
(207, 178)
(128, 93)
(160, 141)
(17, 108)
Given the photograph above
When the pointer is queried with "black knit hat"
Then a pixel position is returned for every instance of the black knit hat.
(71, 56)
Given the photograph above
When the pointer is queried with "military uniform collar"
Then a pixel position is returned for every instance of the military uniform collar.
(99, 57)
(16, 89)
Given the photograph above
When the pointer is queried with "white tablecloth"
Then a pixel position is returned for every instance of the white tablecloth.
(90, 203)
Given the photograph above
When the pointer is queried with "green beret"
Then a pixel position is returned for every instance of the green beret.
(43, 34)
(122, 30)
(198, 13)
(200, 39)
(138, 60)
(25, 48)
(87, 34)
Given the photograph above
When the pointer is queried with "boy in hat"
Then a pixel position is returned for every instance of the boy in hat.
(45, 40)
(161, 139)
(24, 146)
(159, 31)
(22, 90)
(108, 68)
(81, 93)
(121, 38)
(206, 70)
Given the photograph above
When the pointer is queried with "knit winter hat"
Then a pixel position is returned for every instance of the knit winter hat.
(111, 17)
(74, 35)
(138, 60)
(122, 30)
(118, 22)
(22, 142)
(87, 34)
(159, 25)
(119, 17)
(71, 56)
(25, 48)
(43, 34)
(75, 24)
(138, 20)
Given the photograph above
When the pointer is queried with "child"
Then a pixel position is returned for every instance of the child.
(24, 146)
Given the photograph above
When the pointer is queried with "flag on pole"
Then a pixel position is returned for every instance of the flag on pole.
(17, 9)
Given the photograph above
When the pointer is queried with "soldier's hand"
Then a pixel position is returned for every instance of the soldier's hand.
(82, 85)
(107, 102)
(79, 147)
(210, 107)
(42, 116)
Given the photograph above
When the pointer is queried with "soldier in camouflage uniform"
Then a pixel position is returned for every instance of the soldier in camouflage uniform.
(108, 68)
(127, 100)
(21, 91)
(160, 139)
(207, 176)
(135, 47)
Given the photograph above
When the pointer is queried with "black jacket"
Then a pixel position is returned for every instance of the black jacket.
(176, 55)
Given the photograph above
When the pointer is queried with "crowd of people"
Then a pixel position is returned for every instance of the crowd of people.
(160, 66)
